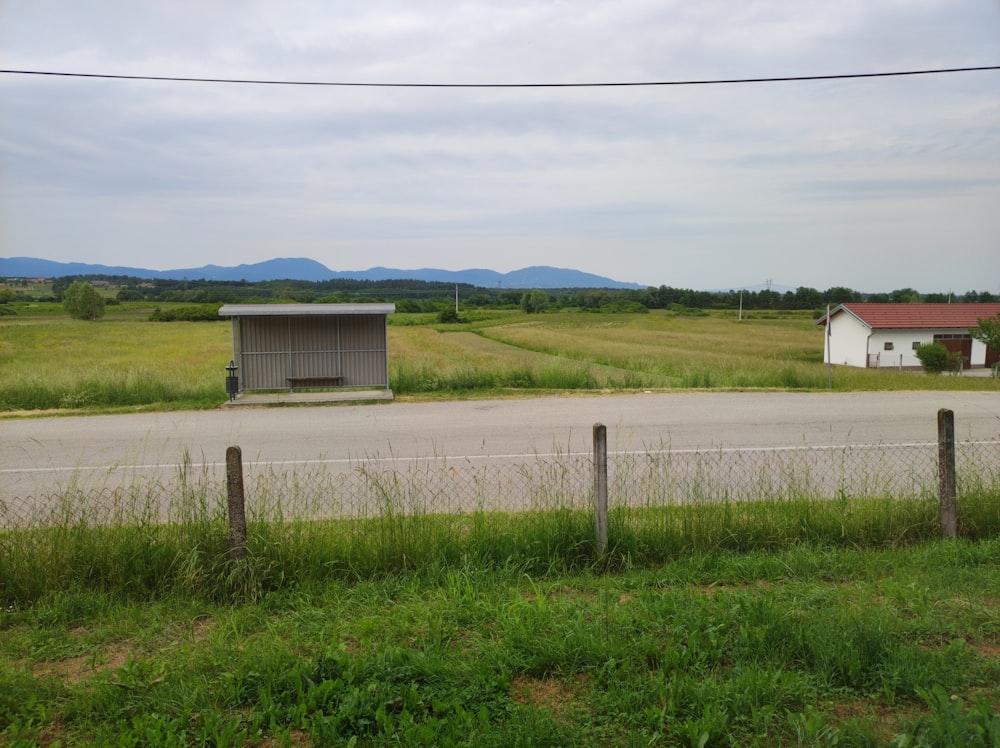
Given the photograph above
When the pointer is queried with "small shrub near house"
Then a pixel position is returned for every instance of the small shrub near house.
(934, 357)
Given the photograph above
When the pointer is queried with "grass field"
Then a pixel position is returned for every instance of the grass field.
(49, 361)
(790, 621)
(126, 362)
(781, 622)
(809, 646)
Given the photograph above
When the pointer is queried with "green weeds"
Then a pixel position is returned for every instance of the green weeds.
(787, 621)
(807, 646)
(147, 540)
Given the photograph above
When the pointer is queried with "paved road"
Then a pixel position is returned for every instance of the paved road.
(42, 455)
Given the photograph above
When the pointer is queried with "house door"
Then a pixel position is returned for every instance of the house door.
(960, 345)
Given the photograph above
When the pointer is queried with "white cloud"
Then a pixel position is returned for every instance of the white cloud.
(691, 186)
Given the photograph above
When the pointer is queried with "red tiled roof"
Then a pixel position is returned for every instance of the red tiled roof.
(920, 316)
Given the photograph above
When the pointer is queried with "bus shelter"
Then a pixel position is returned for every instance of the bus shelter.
(310, 346)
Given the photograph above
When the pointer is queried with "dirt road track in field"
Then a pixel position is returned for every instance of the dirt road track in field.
(44, 455)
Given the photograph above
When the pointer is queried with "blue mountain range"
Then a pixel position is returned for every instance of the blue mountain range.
(301, 268)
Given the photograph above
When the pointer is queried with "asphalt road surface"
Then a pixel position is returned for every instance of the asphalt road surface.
(43, 455)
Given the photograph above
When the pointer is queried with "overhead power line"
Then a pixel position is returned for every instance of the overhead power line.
(611, 84)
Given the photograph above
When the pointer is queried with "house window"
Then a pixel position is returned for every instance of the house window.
(916, 344)
(887, 347)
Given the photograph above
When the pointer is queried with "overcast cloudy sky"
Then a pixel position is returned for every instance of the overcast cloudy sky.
(875, 184)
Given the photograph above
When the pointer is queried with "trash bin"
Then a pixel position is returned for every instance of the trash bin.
(232, 381)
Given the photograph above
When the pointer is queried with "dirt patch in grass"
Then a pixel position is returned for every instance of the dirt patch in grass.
(889, 719)
(75, 669)
(553, 696)
(106, 659)
(988, 648)
(710, 590)
(298, 738)
(201, 628)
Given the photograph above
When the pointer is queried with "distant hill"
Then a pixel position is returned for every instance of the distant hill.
(300, 268)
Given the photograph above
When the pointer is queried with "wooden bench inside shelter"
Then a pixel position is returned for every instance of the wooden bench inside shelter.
(322, 381)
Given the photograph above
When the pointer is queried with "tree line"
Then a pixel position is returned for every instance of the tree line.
(432, 296)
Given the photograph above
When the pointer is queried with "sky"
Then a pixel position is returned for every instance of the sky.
(875, 184)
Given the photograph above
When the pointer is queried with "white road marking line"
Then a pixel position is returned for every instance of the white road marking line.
(479, 457)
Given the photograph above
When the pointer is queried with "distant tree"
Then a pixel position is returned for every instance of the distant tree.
(6, 296)
(479, 299)
(130, 294)
(766, 299)
(841, 295)
(59, 286)
(510, 298)
(448, 314)
(664, 296)
(937, 298)
(803, 298)
(83, 302)
(202, 313)
(905, 296)
(403, 306)
(934, 357)
(534, 301)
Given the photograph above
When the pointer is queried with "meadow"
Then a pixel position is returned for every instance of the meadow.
(810, 645)
(791, 620)
(127, 362)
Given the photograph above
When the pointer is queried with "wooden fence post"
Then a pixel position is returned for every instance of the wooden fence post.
(946, 473)
(237, 504)
(601, 486)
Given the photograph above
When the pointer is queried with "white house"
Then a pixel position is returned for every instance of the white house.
(888, 335)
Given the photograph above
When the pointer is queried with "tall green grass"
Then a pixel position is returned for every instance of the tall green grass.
(806, 646)
(790, 620)
(123, 361)
(409, 380)
(118, 389)
(125, 541)
(48, 361)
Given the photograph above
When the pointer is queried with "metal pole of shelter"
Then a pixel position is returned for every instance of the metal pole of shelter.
(829, 353)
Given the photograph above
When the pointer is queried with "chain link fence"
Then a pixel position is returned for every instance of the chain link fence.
(377, 487)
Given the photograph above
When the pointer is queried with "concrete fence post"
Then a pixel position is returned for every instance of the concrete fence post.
(237, 503)
(946, 473)
(601, 486)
